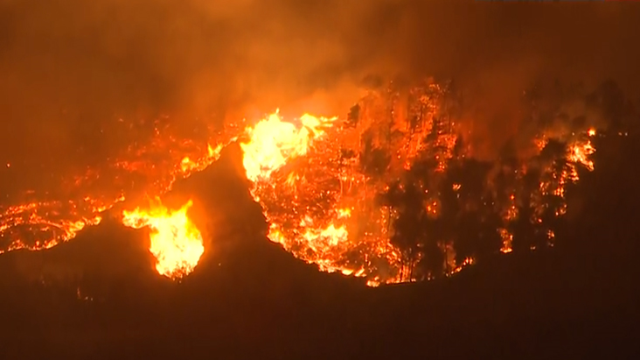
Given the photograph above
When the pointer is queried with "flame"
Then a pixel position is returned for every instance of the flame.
(466, 262)
(176, 243)
(579, 153)
(273, 142)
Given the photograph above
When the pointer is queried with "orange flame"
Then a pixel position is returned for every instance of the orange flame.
(272, 142)
(175, 241)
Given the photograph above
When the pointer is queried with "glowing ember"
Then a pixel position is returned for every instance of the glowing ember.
(41, 225)
(175, 241)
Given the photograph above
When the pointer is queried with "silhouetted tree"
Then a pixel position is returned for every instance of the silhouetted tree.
(523, 228)
(410, 227)
(374, 161)
(478, 223)
(490, 239)
(353, 117)
(467, 240)
(433, 257)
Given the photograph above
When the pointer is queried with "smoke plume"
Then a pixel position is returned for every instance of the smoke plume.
(71, 68)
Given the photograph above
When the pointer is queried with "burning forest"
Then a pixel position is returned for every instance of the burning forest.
(391, 191)
(321, 179)
(393, 194)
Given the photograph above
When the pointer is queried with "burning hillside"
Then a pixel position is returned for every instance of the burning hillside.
(392, 192)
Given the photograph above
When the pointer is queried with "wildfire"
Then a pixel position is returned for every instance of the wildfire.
(321, 203)
(288, 183)
(319, 181)
(175, 241)
(381, 193)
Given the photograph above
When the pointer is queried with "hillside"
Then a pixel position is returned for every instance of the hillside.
(250, 299)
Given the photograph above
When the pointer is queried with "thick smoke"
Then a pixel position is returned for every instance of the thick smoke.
(69, 68)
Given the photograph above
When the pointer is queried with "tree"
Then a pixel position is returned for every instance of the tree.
(374, 161)
(523, 228)
(353, 117)
(478, 222)
(409, 227)
(467, 239)
(490, 240)
(433, 260)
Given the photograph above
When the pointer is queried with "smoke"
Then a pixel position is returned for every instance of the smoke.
(69, 68)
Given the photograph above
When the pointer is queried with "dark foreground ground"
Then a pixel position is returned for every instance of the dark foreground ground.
(251, 300)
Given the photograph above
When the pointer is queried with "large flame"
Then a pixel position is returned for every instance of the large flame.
(273, 142)
(175, 241)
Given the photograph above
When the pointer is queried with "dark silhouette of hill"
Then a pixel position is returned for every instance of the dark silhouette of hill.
(249, 299)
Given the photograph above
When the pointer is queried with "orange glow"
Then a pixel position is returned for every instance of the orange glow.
(175, 241)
